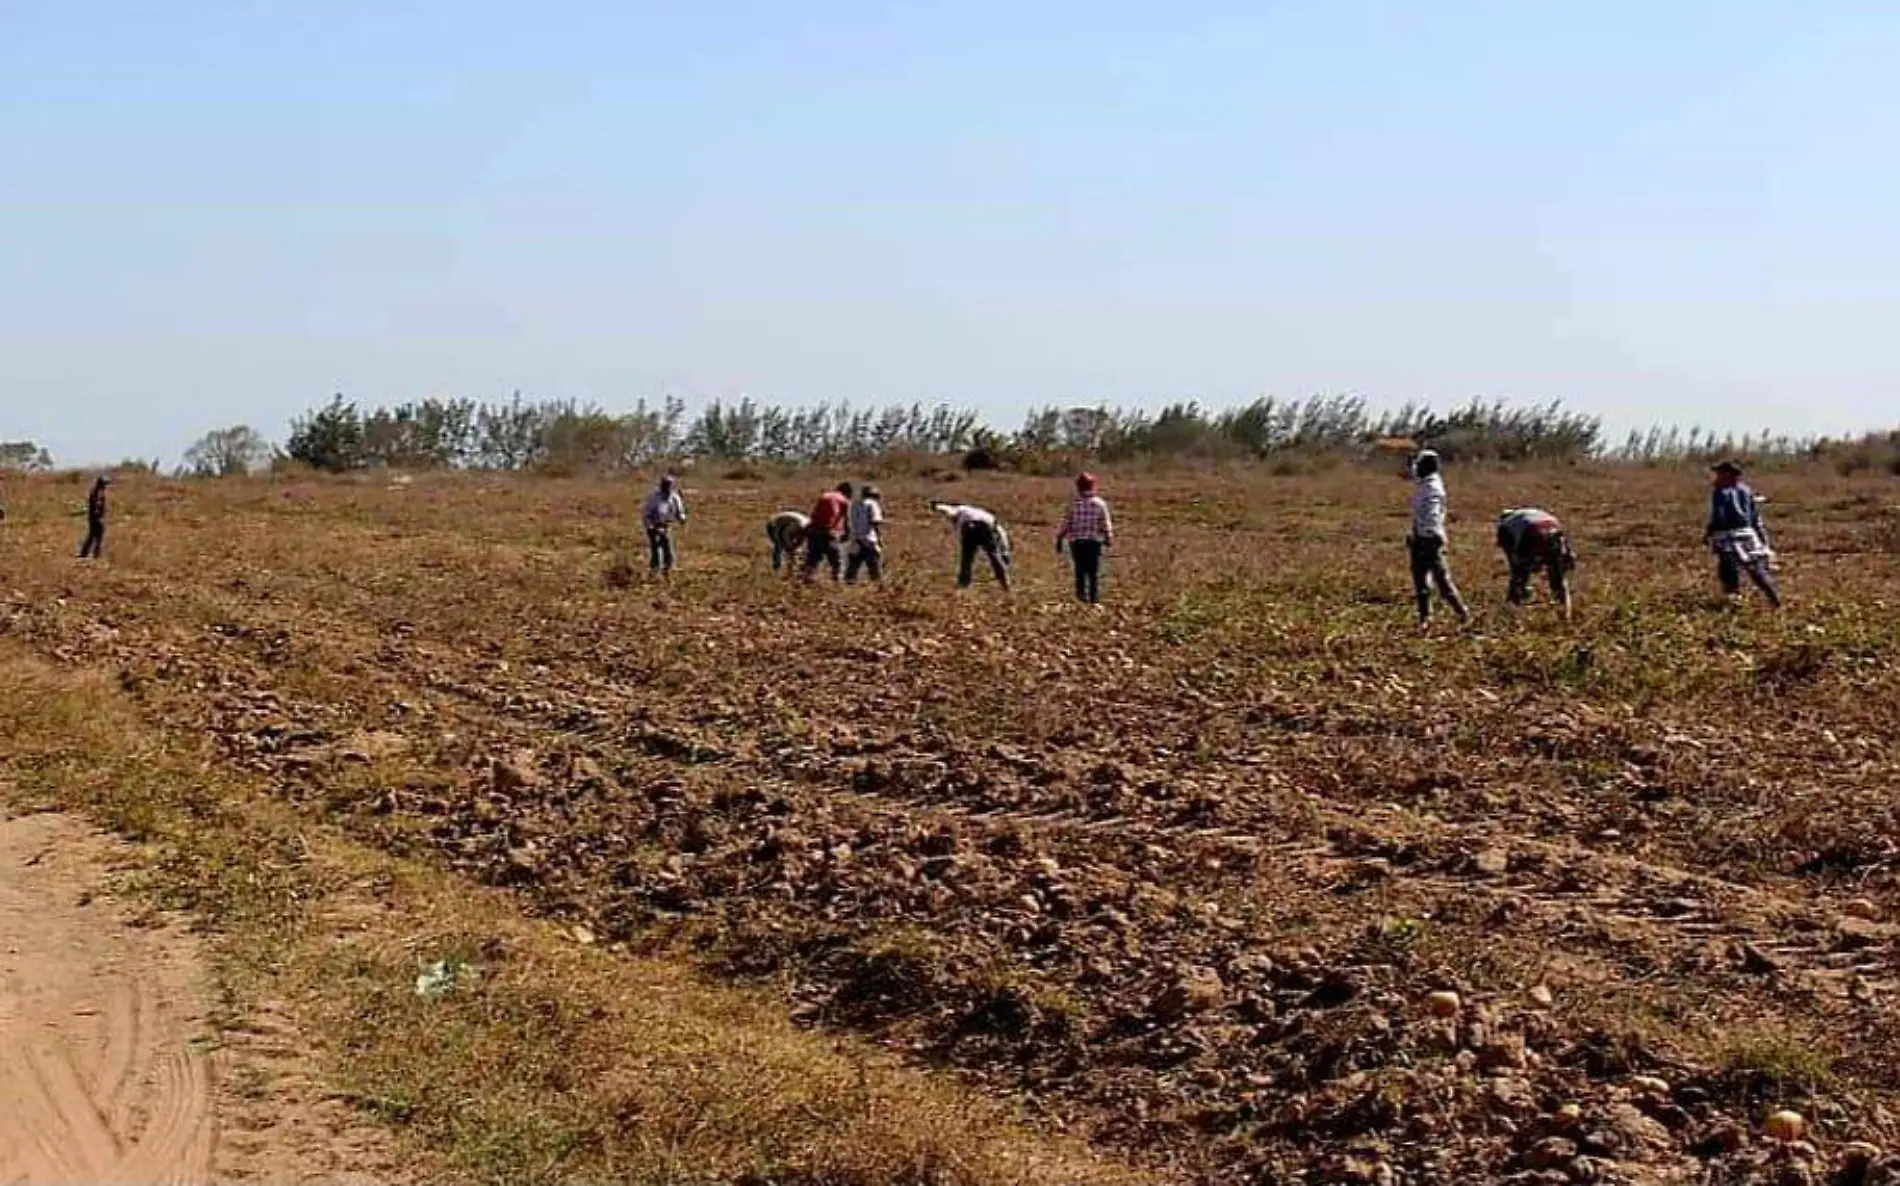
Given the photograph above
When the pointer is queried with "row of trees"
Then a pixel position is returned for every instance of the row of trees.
(1314, 427)
(566, 437)
(24, 457)
(464, 434)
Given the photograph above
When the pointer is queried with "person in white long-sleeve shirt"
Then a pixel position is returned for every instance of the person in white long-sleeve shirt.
(662, 509)
(786, 530)
(1426, 540)
(977, 531)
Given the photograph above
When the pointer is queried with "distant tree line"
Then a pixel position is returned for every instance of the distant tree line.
(568, 437)
(1320, 426)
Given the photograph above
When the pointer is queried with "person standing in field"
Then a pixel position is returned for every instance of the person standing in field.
(867, 541)
(1088, 530)
(1737, 535)
(1426, 541)
(977, 531)
(830, 517)
(1533, 539)
(786, 530)
(95, 541)
(662, 510)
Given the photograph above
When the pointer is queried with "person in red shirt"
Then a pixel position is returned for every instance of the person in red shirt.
(829, 517)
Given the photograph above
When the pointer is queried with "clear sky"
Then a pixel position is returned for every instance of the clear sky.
(223, 211)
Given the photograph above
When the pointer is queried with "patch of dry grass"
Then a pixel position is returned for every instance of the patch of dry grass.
(555, 1061)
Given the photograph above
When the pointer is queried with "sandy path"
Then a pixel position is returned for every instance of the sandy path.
(107, 1063)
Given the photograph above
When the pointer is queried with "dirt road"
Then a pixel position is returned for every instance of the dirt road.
(112, 1065)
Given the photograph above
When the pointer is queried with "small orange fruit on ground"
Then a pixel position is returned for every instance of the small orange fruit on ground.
(1786, 1126)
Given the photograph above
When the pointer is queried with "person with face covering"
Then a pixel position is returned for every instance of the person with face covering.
(1737, 535)
(1426, 540)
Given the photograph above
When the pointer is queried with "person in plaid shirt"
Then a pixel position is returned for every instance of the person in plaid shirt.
(1088, 530)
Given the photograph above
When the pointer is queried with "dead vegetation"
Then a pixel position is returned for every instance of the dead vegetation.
(1180, 874)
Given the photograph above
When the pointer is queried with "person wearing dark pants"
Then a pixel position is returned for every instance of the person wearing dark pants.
(95, 541)
(663, 508)
(821, 548)
(977, 532)
(1426, 543)
(786, 530)
(1088, 531)
(1533, 539)
(829, 518)
(867, 537)
(660, 556)
(1738, 536)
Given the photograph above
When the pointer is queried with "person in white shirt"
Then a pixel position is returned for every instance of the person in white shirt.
(1426, 541)
(977, 531)
(662, 509)
(786, 530)
(866, 531)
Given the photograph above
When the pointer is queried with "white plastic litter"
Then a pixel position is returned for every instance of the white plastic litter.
(442, 978)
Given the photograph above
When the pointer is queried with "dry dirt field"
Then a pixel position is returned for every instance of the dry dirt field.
(1178, 875)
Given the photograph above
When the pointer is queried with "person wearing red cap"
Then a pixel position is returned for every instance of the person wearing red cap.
(1088, 530)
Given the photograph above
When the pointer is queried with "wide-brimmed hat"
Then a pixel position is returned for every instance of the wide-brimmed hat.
(1726, 466)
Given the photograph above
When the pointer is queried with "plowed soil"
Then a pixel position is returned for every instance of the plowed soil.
(1181, 873)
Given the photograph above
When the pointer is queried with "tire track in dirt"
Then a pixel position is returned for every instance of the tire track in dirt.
(107, 1081)
(107, 1073)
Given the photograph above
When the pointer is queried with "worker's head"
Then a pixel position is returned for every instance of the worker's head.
(844, 488)
(1727, 473)
(104, 480)
(1424, 463)
(1085, 483)
(871, 494)
(666, 483)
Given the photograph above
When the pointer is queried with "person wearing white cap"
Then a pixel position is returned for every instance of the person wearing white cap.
(1426, 541)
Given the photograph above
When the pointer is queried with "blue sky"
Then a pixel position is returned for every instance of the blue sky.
(222, 212)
